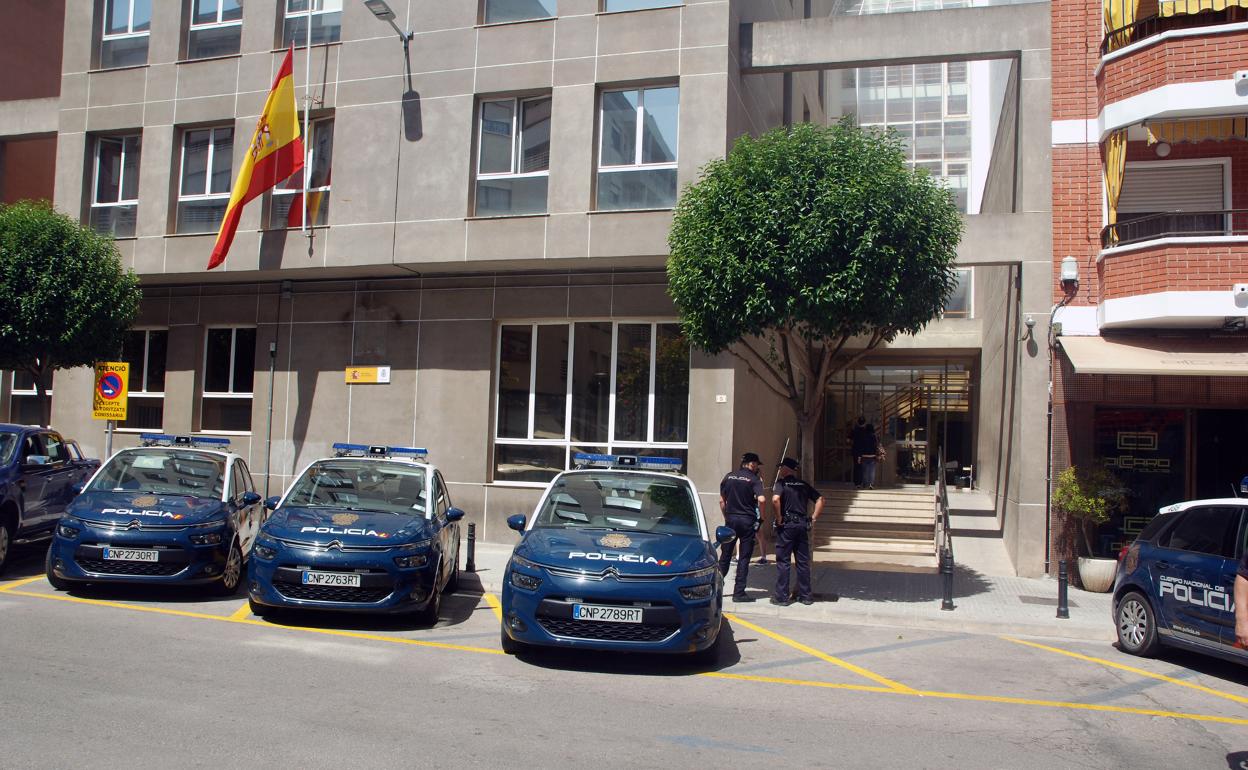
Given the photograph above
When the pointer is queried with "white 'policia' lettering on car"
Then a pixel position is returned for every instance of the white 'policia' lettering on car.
(1200, 594)
(631, 558)
(133, 512)
(343, 531)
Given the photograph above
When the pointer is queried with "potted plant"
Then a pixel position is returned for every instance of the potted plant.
(1088, 497)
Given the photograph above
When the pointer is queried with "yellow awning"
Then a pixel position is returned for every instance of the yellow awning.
(1178, 7)
(1208, 129)
(1118, 14)
(1191, 357)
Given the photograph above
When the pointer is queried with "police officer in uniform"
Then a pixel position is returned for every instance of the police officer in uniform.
(790, 499)
(741, 500)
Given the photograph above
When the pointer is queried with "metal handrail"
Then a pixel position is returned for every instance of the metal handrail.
(1171, 224)
(1151, 26)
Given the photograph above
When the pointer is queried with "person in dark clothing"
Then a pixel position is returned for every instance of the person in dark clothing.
(869, 457)
(741, 500)
(854, 439)
(1241, 601)
(790, 499)
(864, 443)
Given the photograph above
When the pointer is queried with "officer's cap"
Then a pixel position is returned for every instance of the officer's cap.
(790, 463)
(749, 457)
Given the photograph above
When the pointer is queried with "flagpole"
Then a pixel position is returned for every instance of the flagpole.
(307, 111)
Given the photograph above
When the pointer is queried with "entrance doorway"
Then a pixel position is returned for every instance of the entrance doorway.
(917, 408)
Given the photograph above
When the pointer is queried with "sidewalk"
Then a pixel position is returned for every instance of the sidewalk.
(982, 604)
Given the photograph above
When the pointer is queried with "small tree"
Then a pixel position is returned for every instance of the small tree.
(804, 250)
(65, 300)
(1088, 497)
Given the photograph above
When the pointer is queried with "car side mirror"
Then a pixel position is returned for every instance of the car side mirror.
(76, 489)
(36, 460)
(272, 502)
(454, 514)
(724, 535)
(517, 522)
(250, 498)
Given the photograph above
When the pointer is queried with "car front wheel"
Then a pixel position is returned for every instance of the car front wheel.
(1137, 625)
(59, 583)
(232, 573)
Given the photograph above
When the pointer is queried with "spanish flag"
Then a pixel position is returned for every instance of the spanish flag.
(275, 152)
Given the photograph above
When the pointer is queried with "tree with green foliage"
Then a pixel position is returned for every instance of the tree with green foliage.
(1088, 497)
(804, 250)
(65, 300)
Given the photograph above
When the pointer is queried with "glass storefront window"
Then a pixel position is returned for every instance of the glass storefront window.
(1146, 450)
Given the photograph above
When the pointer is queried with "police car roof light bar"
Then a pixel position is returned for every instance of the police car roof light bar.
(366, 450)
(165, 439)
(585, 460)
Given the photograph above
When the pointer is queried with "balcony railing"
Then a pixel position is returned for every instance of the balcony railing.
(1142, 29)
(1175, 224)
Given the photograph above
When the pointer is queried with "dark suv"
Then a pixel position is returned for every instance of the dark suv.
(1175, 583)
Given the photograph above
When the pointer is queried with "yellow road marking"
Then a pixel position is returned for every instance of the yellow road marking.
(261, 623)
(20, 583)
(1131, 669)
(495, 605)
(891, 688)
(243, 611)
(859, 670)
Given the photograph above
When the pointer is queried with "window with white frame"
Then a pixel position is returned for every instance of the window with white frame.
(961, 302)
(115, 185)
(637, 148)
(588, 386)
(125, 27)
(325, 16)
(215, 29)
(145, 350)
(229, 371)
(204, 191)
(503, 11)
(513, 157)
(24, 404)
(636, 5)
(288, 205)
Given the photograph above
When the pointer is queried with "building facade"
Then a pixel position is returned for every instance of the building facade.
(486, 215)
(1150, 240)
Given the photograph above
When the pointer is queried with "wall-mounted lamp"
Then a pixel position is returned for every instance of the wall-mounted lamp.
(1162, 149)
(1070, 273)
(1030, 323)
(382, 11)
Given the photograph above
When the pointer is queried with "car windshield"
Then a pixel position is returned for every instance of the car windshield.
(629, 501)
(163, 472)
(361, 485)
(8, 443)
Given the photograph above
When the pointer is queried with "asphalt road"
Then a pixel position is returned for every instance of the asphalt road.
(146, 678)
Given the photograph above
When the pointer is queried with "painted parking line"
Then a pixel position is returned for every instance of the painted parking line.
(19, 583)
(1131, 669)
(243, 611)
(888, 687)
(495, 605)
(859, 670)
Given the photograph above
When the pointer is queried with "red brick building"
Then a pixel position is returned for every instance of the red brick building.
(1150, 244)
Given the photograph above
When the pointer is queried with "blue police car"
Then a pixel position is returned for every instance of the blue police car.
(1175, 583)
(177, 509)
(369, 530)
(618, 557)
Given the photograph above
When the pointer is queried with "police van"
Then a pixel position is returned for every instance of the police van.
(176, 509)
(1175, 584)
(371, 529)
(617, 556)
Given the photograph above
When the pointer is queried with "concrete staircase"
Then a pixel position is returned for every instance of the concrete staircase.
(891, 529)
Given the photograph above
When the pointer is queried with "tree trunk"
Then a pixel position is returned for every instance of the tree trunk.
(45, 403)
(806, 447)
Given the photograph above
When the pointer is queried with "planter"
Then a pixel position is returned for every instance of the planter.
(1097, 574)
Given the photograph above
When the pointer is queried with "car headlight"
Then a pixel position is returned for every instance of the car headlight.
(208, 538)
(265, 551)
(68, 529)
(520, 579)
(699, 590)
(412, 560)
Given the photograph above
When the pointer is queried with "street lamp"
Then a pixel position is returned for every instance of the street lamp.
(382, 11)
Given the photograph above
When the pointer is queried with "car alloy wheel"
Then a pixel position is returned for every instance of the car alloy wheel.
(232, 572)
(1137, 631)
(6, 543)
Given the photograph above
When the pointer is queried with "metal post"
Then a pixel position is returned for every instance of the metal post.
(471, 564)
(1063, 611)
(108, 440)
(946, 572)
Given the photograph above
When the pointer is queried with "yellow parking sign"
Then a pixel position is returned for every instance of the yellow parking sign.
(109, 399)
